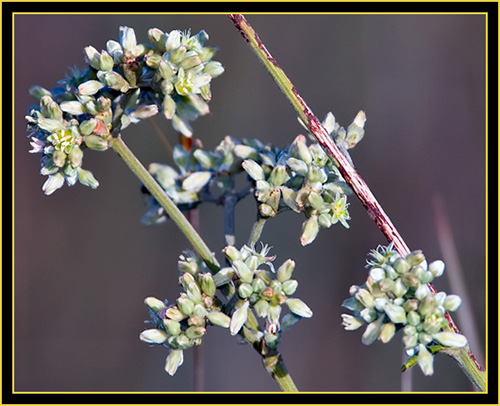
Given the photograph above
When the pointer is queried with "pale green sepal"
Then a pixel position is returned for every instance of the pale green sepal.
(298, 307)
(425, 360)
(450, 339)
(153, 336)
(239, 318)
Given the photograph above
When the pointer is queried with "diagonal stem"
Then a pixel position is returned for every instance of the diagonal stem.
(351, 176)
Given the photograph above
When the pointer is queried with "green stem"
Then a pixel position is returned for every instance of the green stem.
(469, 365)
(273, 362)
(256, 232)
(170, 207)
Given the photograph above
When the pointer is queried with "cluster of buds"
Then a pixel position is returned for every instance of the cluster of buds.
(304, 179)
(201, 175)
(123, 84)
(396, 296)
(183, 324)
(262, 293)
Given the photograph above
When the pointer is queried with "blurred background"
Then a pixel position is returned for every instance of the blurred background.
(84, 263)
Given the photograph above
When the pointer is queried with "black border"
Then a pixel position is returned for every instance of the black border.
(8, 397)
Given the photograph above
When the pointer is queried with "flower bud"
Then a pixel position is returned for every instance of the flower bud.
(213, 68)
(173, 40)
(232, 253)
(157, 38)
(243, 271)
(223, 276)
(450, 339)
(59, 158)
(372, 332)
(425, 360)
(310, 230)
(153, 336)
(387, 332)
(90, 87)
(415, 258)
(173, 327)
(219, 319)
(185, 305)
(396, 313)
(106, 61)
(289, 286)
(239, 318)
(174, 361)
(436, 268)
(95, 142)
(298, 307)
(245, 290)
(278, 175)
(114, 80)
(154, 304)
(207, 284)
(195, 332)
(193, 292)
(86, 178)
(253, 169)
(261, 307)
(452, 302)
(196, 181)
(365, 298)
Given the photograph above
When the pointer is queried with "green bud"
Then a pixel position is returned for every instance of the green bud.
(354, 136)
(90, 87)
(92, 57)
(239, 318)
(310, 229)
(365, 297)
(213, 68)
(232, 253)
(38, 92)
(285, 270)
(425, 360)
(185, 305)
(253, 169)
(413, 318)
(219, 319)
(190, 62)
(396, 313)
(298, 166)
(174, 360)
(298, 307)
(50, 125)
(223, 276)
(196, 181)
(410, 280)
(450, 339)
(173, 40)
(378, 274)
(153, 336)
(399, 288)
(86, 127)
(245, 290)
(422, 292)
(175, 314)
(157, 38)
(315, 200)
(415, 258)
(452, 302)
(387, 332)
(316, 175)
(372, 332)
(278, 175)
(113, 80)
(193, 292)
(436, 268)
(273, 313)
(261, 307)
(207, 284)
(290, 286)
(53, 183)
(73, 107)
(401, 266)
(410, 341)
(368, 315)
(154, 304)
(95, 142)
(195, 332)
(86, 178)
(243, 271)
(106, 61)
(59, 158)
(299, 149)
(324, 221)
(173, 327)
(434, 323)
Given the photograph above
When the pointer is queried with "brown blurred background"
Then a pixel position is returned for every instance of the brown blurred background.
(84, 263)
